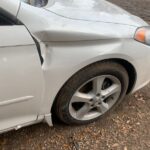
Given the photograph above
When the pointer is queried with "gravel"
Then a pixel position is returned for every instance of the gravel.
(126, 129)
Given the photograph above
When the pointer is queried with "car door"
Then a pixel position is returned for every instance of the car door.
(21, 78)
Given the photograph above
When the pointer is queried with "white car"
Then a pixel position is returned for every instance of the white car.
(76, 59)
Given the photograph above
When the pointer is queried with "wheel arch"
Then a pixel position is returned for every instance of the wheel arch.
(130, 69)
(126, 64)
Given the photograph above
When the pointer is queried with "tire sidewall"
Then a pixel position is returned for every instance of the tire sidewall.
(65, 96)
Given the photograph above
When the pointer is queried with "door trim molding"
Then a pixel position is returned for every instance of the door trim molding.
(17, 100)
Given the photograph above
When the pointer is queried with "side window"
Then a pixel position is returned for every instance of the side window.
(8, 19)
(4, 20)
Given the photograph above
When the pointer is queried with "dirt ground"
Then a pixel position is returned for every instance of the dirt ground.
(128, 128)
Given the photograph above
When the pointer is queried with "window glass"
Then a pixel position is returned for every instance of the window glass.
(4, 20)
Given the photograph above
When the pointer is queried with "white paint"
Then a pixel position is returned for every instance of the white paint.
(17, 100)
(11, 6)
(72, 34)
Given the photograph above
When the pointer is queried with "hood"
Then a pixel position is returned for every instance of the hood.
(93, 10)
(48, 24)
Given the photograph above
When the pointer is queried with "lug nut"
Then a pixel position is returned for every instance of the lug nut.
(92, 105)
(91, 100)
(98, 95)
(103, 97)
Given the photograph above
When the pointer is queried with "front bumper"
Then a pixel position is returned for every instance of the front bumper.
(140, 57)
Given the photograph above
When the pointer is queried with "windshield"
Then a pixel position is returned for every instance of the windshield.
(37, 3)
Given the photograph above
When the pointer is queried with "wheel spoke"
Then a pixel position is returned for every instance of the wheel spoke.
(97, 84)
(115, 88)
(104, 94)
(81, 97)
(103, 107)
(83, 111)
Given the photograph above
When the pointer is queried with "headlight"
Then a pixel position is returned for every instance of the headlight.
(143, 35)
(37, 3)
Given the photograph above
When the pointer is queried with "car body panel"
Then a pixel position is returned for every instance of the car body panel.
(69, 40)
(11, 6)
(9, 40)
(58, 28)
(63, 60)
(93, 10)
(21, 77)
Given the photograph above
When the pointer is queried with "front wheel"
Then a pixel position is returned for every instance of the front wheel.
(91, 93)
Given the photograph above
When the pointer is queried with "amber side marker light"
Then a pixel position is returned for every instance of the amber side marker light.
(141, 35)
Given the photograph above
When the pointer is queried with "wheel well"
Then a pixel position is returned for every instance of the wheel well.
(129, 68)
(131, 72)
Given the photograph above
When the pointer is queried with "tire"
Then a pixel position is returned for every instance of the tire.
(86, 76)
